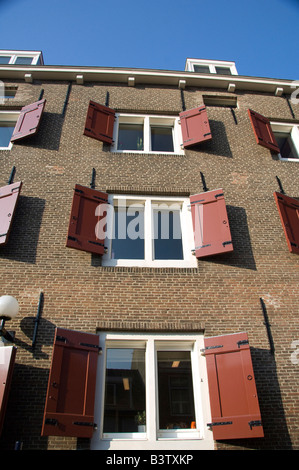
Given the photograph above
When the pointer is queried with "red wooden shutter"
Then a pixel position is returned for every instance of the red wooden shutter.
(288, 209)
(210, 224)
(99, 122)
(28, 121)
(7, 361)
(233, 395)
(195, 126)
(9, 196)
(262, 131)
(69, 408)
(83, 220)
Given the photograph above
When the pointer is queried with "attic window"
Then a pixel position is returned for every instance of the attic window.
(220, 101)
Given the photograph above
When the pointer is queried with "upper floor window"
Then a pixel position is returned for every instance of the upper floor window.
(8, 121)
(287, 138)
(147, 134)
(211, 66)
(21, 57)
(148, 231)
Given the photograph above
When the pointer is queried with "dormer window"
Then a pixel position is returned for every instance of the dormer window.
(211, 67)
(21, 57)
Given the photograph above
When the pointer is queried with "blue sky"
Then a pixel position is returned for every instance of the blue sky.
(261, 36)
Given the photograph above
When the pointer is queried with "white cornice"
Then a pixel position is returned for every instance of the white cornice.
(146, 76)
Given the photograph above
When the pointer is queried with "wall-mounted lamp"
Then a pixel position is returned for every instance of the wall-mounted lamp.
(9, 309)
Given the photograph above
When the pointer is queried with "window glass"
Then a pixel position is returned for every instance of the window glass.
(223, 70)
(4, 59)
(23, 60)
(175, 390)
(130, 137)
(128, 241)
(125, 390)
(201, 68)
(167, 234)
(161, 139)
(6, 130)
(286, 145)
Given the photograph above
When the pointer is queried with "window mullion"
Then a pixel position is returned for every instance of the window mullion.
(151, 395)
(148, 230)
(146, 133)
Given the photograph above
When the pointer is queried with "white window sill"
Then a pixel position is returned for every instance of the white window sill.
(192, 263)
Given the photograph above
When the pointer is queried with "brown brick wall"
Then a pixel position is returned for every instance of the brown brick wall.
(221, 294)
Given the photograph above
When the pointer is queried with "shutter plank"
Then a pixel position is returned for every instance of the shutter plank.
(210, 224)
(195, 126)
(69, 407)
(263, 132)
(288, 209)
(28, 121)
(9, 196)
(83, 220)
(234, 403)
(99, 122)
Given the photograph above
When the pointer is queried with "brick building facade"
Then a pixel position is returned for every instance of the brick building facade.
(177, 304)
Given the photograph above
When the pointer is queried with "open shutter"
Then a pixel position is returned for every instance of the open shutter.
(262, 131)
(9, 196)
(195, 126)
(69, 408)
(210, 224)
(7, 361)
(99, 122)
(28, 121)
(85, 215)
(288, 209)
(233, 395)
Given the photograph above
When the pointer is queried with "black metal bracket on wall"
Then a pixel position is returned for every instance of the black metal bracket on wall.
(93, 176)
(12, 175)
(204, 186)
(268, 326)
(37, 318)
(280, 185)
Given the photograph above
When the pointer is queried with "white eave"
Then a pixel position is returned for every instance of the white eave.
(146, 76)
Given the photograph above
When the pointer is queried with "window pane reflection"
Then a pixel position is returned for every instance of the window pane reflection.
(125, 391)
(167, 235)
(175, 390)
(130, 137)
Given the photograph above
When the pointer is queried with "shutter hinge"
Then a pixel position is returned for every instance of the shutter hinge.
(219, 423)
(52, 422)
(95, 346)
(219, 194)
(254, 423)
(227, 243)
(82, 423)
(211, 347)
(244, 341)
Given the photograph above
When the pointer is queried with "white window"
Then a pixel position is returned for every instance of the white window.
(287, 138)
(8, 121)
(152, 392)
(147, 231)
(147, 134)
(21, 57)
(219, 67)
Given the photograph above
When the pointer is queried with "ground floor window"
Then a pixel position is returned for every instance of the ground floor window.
(151, 389)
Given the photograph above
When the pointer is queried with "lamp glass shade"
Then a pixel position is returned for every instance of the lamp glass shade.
(9, 307)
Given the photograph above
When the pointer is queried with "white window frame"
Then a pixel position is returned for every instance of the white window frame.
(36, 56)
(147, 121)
(189, 260)
(212, 64)
(153, 438)
(293, 130)
(8, 116)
